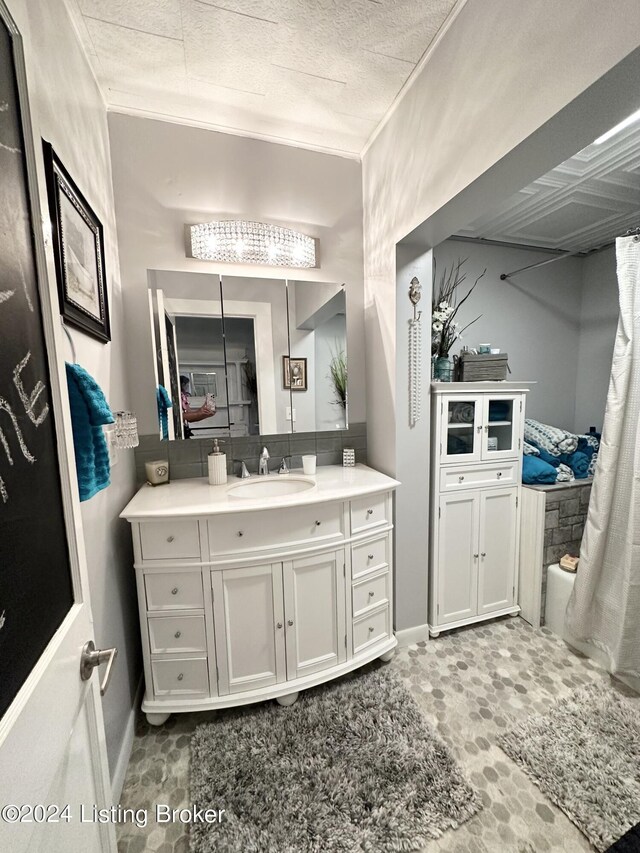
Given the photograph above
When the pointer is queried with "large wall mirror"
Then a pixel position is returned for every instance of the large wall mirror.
(241, 356)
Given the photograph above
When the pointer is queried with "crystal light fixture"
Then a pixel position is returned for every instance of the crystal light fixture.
(238, 241)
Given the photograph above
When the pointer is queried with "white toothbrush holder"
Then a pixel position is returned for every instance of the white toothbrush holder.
(309, 465)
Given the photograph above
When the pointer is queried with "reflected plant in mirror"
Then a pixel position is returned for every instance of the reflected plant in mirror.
(218, 347)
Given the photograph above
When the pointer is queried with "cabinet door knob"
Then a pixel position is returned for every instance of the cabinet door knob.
(318, 523)
(180, 677)
(174, 591)
(289, 622)
(177, 635)
(279, 625)
(499, 474)
(461, 478)
(170, 538)
(370, 556)
(479, 429)
(369, 512)
(486, 429)
(240, 532)
(475, 556)
(371, 593)
(370, 629)
(483, 554)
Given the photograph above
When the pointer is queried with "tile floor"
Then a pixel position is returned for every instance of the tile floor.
(471, 684)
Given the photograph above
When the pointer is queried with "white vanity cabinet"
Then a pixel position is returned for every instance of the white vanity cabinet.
(240, 603)
(475, 494)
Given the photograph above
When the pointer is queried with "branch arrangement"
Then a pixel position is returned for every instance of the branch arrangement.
(445, 330)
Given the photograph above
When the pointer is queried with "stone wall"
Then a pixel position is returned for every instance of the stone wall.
(565, 516)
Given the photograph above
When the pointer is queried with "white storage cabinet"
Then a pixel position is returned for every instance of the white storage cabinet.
(475, 501)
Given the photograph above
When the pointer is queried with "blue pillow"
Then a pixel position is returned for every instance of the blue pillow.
(536, 471)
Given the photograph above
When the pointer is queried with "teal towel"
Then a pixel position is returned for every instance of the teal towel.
(89, 411)
(164, 404)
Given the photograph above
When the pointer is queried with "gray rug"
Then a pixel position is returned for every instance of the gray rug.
(352, 766)
(585, 756)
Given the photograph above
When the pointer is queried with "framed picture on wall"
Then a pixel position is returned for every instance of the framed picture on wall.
(294, 373)
(78, 246)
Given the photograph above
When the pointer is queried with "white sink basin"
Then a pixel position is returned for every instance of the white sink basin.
(270, 487)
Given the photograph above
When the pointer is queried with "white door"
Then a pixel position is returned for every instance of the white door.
(498, 554)
(501, 419)
(457, 569)
(52, 740)
(315, 611)
(248, 603)
(460, 428)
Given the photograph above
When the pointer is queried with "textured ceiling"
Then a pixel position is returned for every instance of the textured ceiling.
(582, 204)
(320, 73)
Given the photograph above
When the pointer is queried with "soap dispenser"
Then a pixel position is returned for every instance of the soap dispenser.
(217, 465)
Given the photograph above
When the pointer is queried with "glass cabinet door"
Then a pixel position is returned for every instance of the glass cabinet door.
(501, 427)
(461, 428)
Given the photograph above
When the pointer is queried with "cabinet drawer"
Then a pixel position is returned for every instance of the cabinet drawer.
(169, 540)
(177, 634)
(320, 524)
(370, 629)
(179, 676)
(368, 513)
(174, 590)
(370, 592)
(472, 476)
(369, 556)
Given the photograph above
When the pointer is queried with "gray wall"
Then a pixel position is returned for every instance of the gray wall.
(534, 317)
(598, 324)
(166, 175)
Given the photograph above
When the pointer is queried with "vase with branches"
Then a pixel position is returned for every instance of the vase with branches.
(445, 329)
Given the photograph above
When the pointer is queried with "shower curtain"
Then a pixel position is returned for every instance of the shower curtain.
(604, 609)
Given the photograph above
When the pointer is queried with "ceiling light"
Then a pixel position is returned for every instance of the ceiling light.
(253, 243)
(627, 121)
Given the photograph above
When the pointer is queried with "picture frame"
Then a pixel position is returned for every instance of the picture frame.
(78, 247)
(294, 373)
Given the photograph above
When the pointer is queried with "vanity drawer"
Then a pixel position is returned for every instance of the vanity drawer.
(177, 634)
(169, 540)
(371, 629)
(370, 592)
(369, 512)
(470, 477)
(174, 590)
(180, 676)
(368, 556)
(320, 524)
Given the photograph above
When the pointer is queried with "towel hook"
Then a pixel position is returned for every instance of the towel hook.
(71, 344)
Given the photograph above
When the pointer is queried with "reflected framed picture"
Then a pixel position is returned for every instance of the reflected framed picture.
(294, 373)
(78, 246)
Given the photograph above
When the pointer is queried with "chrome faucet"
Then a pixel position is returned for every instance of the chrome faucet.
(263, 464)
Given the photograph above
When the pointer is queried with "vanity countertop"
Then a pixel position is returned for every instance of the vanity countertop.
(195, 497)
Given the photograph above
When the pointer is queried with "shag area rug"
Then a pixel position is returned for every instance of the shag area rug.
(584, 755)
(352, 766)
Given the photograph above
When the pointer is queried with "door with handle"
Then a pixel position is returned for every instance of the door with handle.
(498, 551)
(248, 603)
(315, 607)
(458, 556)
(52, 738)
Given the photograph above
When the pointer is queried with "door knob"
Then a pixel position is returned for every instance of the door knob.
(318, 523)
(170, 538)
(178, 634)
(369, 512)
(483, 554)
(475, 556)
(289, 622)
(174, 591)
(91, 658)
(279, 625)
(370, 556)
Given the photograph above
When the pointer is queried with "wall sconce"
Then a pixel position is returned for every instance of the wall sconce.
(238, 241)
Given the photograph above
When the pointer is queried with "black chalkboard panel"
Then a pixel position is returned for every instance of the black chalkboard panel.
(35, 580)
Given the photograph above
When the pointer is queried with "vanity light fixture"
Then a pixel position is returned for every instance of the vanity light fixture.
(242, 242)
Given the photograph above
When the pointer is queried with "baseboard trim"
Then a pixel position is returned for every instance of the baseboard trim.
(412, 635)
(117, 782)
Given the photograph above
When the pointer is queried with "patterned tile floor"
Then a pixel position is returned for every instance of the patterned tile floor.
(471, 684)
